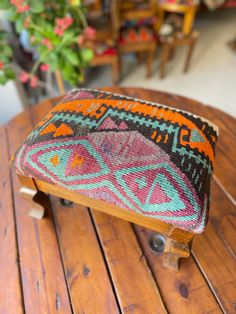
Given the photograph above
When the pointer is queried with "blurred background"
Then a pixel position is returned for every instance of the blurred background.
(186, 47)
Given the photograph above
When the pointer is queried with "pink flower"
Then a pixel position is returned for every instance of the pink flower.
(90, 32)
(59, 31)
(24, 77)
(62, 24)
(46, 42)
(33, 81)
(44, 67)
(68, 21)
(80, 40)
(22, 9)
(17, 3)
(59, 22)
(1, 65)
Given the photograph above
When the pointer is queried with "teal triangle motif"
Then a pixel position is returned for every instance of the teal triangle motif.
(141, 182)
(175, 203)
(41, 161)
(59, 169)
(196, 136)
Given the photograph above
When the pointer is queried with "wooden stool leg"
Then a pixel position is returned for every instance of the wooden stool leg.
(173, 251)
(150, 58)
(38, 210)
(164, 58)
(39, 200)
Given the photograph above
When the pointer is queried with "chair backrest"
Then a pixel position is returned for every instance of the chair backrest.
(188, 11)
(133, 10)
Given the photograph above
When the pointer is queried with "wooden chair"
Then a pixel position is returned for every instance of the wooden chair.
(188, 12)
(185, 37)
(127, 11)
(170, 43)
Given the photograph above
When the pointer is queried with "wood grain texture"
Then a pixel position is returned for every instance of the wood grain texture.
(88, 280)
(136, 289)
(43, 282)
(181, 290)
(215, 249)
(10, 285)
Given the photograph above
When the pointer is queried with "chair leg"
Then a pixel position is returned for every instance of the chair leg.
(171, 53)
(116, 70)
(164, 58)
(150, 58)
(173, 251)
(139, 57)
(189, 54)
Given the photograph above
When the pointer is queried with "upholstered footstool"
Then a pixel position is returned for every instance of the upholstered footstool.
(144, 162)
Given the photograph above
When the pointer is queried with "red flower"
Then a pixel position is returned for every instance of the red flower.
(24, 77)
(90, 32)
(44, 67)
(1, 65)
(33, 81)
(46, 42)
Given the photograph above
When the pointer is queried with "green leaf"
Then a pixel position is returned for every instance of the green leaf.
(19, 25)
(3, 80)
(36, 6)
(71, 57)
(10, 73)
(7, 51)
(86, 54)
(12, 15)
(5, 4)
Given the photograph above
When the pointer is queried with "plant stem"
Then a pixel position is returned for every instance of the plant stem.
(37, 63)
(83, 18)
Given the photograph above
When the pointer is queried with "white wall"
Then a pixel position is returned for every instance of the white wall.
(10, 102)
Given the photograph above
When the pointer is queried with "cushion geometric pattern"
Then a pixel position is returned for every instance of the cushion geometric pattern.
(140, 156)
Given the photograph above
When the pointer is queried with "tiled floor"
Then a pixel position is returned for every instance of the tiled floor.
(212, 75)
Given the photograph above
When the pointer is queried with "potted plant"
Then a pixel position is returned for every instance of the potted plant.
(56, 30)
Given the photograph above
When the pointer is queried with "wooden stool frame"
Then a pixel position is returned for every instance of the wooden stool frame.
(178, 241)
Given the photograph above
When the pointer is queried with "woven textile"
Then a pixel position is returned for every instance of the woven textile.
(141, 156)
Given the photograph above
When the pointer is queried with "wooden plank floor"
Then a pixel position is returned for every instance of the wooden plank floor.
(78, 260)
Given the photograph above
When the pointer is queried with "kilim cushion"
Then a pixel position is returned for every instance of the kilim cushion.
(140, 156)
